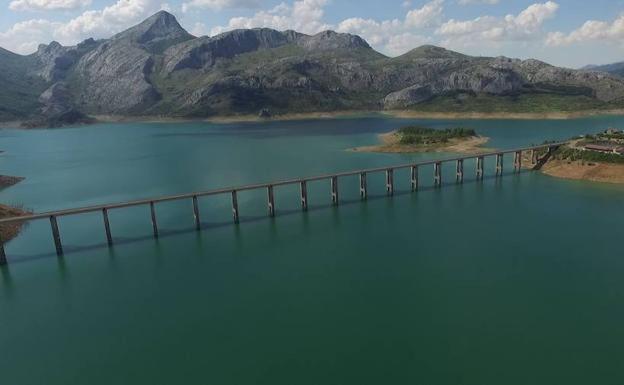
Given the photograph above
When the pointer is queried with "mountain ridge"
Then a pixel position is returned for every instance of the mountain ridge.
(157, 68)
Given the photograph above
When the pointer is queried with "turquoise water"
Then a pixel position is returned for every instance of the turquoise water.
(515, 280)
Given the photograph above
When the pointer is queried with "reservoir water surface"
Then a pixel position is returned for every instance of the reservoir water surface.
(514, 280)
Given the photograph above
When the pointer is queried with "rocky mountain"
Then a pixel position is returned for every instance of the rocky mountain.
(157, 68)
(614, 68)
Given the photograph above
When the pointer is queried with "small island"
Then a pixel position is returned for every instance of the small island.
(412, 139)
(597, 158)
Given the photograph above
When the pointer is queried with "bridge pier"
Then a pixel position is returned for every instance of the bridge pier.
(480, 161)
(499, 164)
(304, 195)
(390, 181)
(459, 169)
(334, 190)
(363, 186)
(196, 213)
(518, 161)
(414, 177)
(107, 229)
(235, 206)
(56, 236)
(437, 174)
(3, 258)
(271, 198)
(154, 222)
(533, 157)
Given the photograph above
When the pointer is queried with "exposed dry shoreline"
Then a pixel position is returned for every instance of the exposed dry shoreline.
(10, 231)
(348, 114)
(390, 144)
(368, 113)
(8, 181)
(590, 171)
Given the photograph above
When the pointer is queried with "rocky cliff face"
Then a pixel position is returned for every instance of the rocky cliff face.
(156, 67)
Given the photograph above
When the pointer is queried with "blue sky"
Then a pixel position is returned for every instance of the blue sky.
(563, 32)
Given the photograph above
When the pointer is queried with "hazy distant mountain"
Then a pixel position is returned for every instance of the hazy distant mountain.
(615, 68)
(157, 68)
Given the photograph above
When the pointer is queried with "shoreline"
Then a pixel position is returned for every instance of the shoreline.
(587, 171)
(10, 231)
(389, 143)
(8, 181)
(399, 114)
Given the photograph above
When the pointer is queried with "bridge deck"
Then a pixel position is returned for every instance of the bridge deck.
(52, 215)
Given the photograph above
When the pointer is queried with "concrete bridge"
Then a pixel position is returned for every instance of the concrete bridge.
(536, 162)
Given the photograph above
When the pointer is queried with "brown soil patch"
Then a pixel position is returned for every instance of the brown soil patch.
(10, 231)
(592, 171)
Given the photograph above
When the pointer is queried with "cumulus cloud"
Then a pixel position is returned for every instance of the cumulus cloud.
(468, 2)
(219, 4)
(25, 36)
(527, 25)
(304, 16)
(391, 36)
(47, 5)
(591, 30)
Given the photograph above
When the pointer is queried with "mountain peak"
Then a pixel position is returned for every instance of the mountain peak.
(157, 32)
(331, 40)
(432, 52)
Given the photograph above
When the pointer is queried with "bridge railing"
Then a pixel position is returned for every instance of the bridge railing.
(302, 182)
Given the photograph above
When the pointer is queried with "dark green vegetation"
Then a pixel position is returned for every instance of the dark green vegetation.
(19, 90)
(427, 136)
(577, 153)
(158, 69)
(572, 155)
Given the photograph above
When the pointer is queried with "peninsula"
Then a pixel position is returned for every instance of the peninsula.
(597, 158)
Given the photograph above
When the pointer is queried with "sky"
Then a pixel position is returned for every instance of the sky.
(570, 33)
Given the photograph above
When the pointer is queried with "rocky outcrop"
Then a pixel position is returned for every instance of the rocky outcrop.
(158, 68)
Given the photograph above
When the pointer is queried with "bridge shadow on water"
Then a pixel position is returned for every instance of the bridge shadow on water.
(68, 249)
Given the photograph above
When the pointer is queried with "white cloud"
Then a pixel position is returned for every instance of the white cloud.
(304, 16)
(468, 2)
(24, 37)
(396, 36)
(426, 16)
(525, 26)
(47, 5)
(591, 30)
(219, 4)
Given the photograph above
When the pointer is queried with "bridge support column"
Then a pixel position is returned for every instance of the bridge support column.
(460, 171)
(56, 236)
(414, 177)
(480, 161)
(235, 206)
(154, 222)
(437, 174)
(304, 195)
(271, 198)
(499, 164)
(390, 181)
(3, 258)
(533, 157)
(107, 229)
(196, 213)
(334, 190)
(518, 161)
(363, 186)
